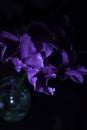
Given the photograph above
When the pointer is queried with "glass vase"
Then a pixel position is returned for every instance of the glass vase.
(15, 99)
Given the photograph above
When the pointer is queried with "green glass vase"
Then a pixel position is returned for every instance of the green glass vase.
(15, 99)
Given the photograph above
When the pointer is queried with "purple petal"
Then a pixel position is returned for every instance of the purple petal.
(9, 44)
(17, 64)
(42, 84)
(31, 72)
(8, 36)
(26, 46)
(49, 76)
(74, 75)
(48, 70)
(65, 58)
(82, 69)
(40, 80)
(47, 48)
(35, 60)
(49, 91)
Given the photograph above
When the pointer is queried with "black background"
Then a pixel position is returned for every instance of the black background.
(66, 110)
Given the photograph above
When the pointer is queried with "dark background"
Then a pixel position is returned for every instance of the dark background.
(66, 110)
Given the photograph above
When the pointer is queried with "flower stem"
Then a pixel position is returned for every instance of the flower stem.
(22, 80)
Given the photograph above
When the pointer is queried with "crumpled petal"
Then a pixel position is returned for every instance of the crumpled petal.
(42, 84)
(47, 49)
(26, 46)
(49, 91)
(43, 77)
(74, 75)
(31, 72)
(18, 64)
(39, 79)
(35, 60)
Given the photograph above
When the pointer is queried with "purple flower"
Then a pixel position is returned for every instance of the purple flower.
(34, 62)
(43, 54)
(26, 56)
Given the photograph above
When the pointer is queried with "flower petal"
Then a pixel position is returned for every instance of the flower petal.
(9, 44)
(42, 80)
(74, 75)
(82, 69)
(31, 72)
(48, 70)
(49, 91)
(17, 63)
(47, 48)
(42, 84)
(26, 46)
(8, 35)
(65, 58)
(35, 60)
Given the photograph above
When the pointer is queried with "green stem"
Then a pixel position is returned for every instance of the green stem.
(20, 85)
(22, 80)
